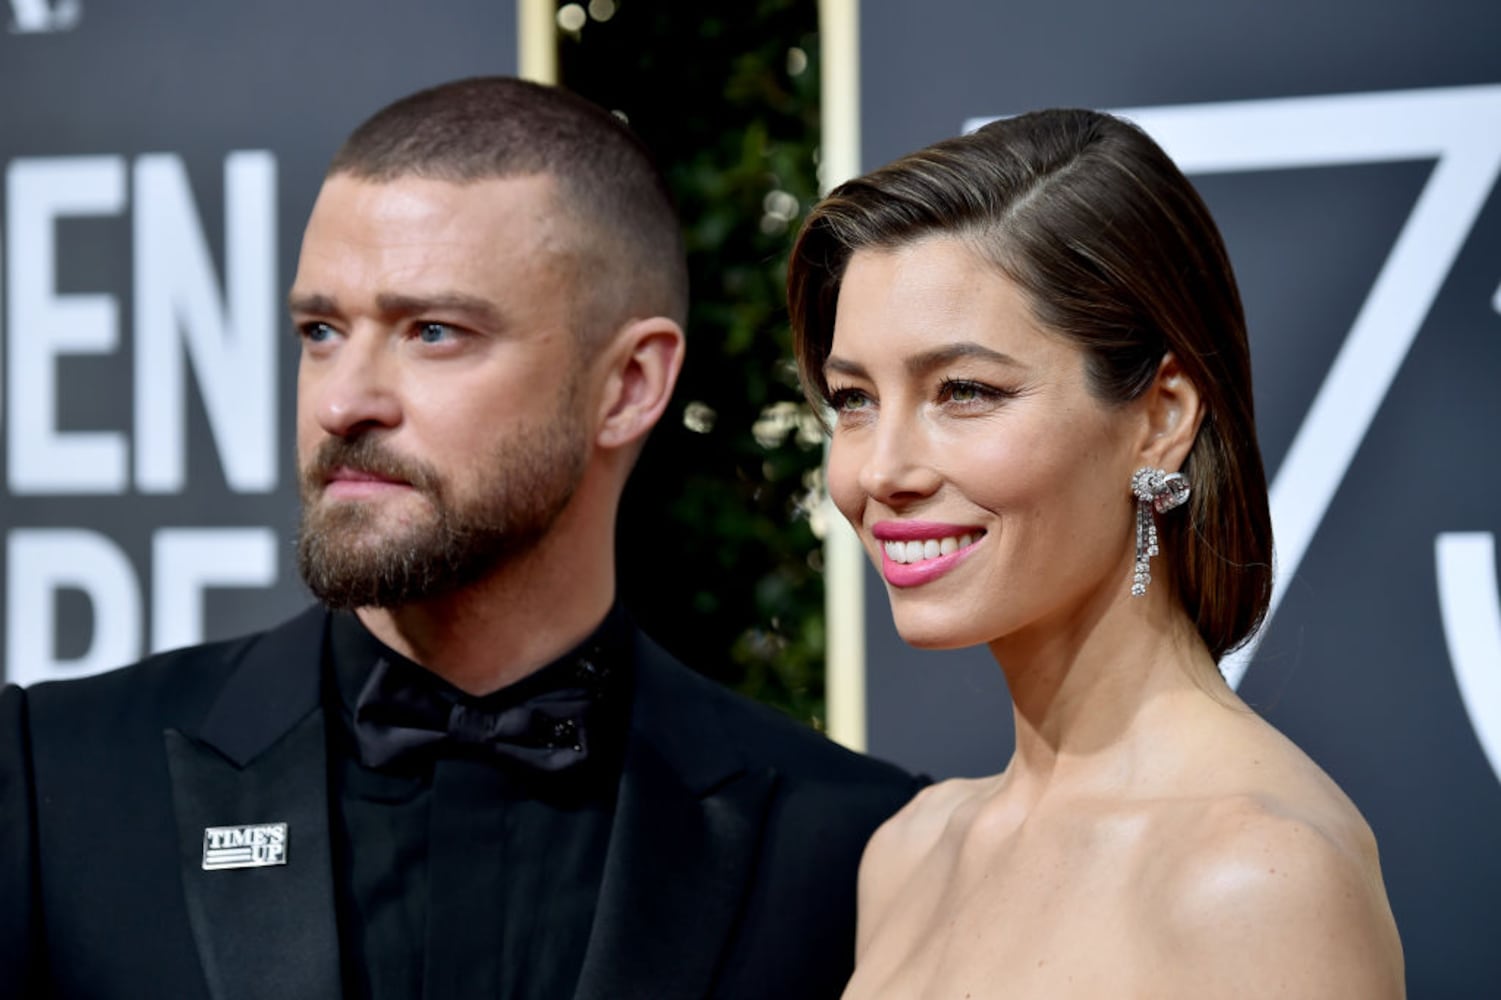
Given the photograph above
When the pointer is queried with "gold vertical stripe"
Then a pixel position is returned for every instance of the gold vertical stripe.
(537, 40)
(844, 560)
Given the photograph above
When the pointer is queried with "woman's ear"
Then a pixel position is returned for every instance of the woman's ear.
(1174, 411)
(645, 358)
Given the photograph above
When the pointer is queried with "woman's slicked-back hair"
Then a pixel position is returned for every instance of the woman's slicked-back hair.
(1116, 251)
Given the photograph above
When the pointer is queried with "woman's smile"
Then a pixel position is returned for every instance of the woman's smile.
(918, 552)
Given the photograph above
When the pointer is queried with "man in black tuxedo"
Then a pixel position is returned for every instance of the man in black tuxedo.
(466, 774)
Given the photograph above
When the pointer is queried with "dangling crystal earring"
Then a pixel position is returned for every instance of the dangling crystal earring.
(1159, 491)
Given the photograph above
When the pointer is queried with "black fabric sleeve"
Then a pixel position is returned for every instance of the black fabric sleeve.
(20, 930)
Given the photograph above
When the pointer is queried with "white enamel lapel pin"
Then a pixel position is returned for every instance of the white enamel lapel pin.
(258, 845)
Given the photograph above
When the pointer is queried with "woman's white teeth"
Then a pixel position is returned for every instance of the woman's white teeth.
(932, 548)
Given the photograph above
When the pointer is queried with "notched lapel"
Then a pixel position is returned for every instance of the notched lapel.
(688, 826)
(260, 757)
(261, 932)
(675, 880)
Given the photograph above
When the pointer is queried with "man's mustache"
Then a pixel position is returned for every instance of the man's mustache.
(365, 454)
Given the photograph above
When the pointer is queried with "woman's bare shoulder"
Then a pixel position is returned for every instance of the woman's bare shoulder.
(1278, 893)
(918, 826)
(908, 838)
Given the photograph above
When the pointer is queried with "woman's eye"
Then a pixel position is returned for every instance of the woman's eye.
(848, 400)
(964, 392)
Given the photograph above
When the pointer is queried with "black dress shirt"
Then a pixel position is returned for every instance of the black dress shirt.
(465, 878)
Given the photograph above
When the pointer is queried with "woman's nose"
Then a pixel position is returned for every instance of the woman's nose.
(899, 467)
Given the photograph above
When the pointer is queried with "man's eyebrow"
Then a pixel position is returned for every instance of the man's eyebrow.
(921, 364)
(393, 305)
(311, 303)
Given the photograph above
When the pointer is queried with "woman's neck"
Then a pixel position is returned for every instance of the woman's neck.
(1089, 694)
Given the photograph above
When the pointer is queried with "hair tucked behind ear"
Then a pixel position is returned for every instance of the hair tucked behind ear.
(1116, 251)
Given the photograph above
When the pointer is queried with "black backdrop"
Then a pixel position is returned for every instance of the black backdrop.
(148, 371)
(1365, 227)
(146, 376)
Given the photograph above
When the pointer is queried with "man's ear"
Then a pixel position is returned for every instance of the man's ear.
(1173, 411)
(645, 357)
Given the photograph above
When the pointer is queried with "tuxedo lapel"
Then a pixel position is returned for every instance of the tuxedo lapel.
(683, 849)
(260, 757)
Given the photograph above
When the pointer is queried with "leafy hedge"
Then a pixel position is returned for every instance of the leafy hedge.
(719, 559)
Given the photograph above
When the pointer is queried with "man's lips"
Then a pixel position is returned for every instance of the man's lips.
(345, 474)
(349, 483)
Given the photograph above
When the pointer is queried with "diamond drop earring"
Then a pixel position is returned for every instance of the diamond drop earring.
(1156, 492)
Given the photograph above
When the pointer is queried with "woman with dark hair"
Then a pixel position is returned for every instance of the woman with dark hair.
(1034, 350)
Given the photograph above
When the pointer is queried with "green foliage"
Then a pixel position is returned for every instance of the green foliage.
(718, 559)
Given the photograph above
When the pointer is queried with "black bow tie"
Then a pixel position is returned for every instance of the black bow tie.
(403, 710)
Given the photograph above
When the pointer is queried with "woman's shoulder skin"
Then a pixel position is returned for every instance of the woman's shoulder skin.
(904, 841)
(1246, 874)
(1272, 896)
(1272, 859)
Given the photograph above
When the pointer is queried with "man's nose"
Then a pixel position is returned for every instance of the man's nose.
(353, 390)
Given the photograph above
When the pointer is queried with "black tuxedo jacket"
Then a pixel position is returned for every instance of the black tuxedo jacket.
(730, 871)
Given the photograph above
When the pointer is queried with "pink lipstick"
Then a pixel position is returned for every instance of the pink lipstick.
(918, 552)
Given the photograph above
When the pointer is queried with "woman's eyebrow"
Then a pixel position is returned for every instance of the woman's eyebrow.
(838, 365)
(926, 361)
(921, 364)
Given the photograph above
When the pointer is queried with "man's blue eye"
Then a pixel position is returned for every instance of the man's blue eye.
(432, 333)
(317, 332)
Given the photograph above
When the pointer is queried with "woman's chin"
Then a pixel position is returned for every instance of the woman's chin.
(937, 635)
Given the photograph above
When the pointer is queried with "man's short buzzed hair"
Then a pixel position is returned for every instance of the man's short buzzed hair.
(630, 255)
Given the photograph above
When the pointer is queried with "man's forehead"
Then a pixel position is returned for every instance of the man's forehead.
(416, 224)
(412, 199)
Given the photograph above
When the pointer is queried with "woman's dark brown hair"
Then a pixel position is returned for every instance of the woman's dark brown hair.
(1115, 251)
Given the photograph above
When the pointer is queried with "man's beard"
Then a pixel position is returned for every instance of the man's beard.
(348, 562)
